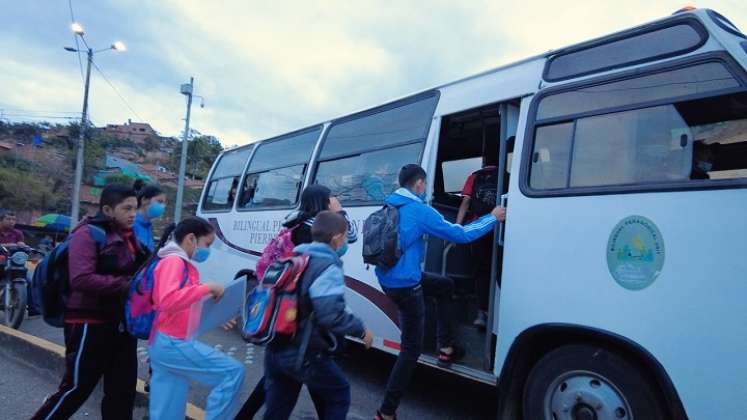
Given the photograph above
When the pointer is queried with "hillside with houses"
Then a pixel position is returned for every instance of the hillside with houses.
(37, 162)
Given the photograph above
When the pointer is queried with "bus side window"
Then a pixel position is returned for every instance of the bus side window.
(682, 141)
(276, 172)
(362, 155)
(223, 183)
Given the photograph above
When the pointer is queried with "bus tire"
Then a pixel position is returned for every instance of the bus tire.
(581, 381)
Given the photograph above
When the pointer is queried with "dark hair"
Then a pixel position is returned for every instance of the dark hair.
(314, 198)
(410, 174)
(197, 225)
(326, 225)
(145, 191)
(6, 213)
(114, 194)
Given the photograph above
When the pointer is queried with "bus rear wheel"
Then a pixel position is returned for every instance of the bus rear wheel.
(585, 382)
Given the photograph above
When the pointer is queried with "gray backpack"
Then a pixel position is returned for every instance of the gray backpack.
(381, 246)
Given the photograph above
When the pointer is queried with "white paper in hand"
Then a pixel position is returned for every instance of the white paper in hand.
(214, 314)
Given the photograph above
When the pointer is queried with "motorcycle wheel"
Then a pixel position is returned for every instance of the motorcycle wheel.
(14, 303)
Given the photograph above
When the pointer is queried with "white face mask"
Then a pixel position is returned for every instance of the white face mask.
(705, 166)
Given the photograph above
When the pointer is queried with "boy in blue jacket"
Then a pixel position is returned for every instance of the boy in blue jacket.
(307, 358)
(406, 285)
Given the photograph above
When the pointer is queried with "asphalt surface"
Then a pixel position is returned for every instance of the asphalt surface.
(433, 394)
(24, 385)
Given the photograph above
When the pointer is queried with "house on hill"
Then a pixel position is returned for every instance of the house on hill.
(133, 131)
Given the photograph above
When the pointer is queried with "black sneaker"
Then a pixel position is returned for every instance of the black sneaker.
(445, 360)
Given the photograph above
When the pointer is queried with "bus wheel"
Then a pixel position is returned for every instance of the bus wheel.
(581, 381)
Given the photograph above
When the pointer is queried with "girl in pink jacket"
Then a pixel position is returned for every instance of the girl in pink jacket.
(176, 358)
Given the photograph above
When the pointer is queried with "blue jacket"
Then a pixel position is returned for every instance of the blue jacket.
(332, 320)
(143, 229)
(416, 219)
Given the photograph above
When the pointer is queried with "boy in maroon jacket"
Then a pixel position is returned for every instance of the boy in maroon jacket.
(96, 342)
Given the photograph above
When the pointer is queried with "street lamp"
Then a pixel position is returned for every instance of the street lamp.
(186, 89)
(78, 30)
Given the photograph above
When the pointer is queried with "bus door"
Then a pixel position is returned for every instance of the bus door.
(471, 143)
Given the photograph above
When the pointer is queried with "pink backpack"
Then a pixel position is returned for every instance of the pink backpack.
(281, 246)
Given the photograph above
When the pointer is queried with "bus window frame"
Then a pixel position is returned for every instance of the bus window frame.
(307, 164)
(210, 180)
(368, 203)
(669, 186)
(723, 22)
(691, 21)
(363, 114)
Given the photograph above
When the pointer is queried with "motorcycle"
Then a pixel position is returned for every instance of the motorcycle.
(13, 285)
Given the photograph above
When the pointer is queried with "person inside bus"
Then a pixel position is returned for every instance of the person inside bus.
(704, 156)
(406, 285)
(479, 197)
(314, 199)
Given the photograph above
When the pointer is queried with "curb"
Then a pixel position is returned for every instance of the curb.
(55, 358)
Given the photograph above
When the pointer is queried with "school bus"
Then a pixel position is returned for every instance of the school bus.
(618, 279)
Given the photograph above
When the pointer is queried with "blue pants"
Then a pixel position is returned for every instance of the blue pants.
(177, 362)
(319, 372)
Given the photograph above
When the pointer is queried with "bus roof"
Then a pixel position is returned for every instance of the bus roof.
(699, 13)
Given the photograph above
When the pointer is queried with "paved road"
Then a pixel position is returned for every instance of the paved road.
(434, 394)
(24, 386)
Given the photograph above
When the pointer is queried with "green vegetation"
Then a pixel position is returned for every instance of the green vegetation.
(201, 153)
(21, 189)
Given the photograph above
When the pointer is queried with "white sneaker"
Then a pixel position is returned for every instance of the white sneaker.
(481, 320)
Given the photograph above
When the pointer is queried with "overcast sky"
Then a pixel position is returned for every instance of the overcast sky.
(269, 67)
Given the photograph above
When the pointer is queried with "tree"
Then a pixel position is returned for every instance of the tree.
(201, 153)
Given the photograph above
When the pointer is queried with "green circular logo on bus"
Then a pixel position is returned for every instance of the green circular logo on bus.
(635, 253)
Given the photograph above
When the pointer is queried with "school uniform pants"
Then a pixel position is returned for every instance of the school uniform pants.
(93, 351)
(176, 362)
(325, 380)
(411, 304)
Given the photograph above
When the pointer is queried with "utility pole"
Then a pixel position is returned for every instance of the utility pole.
(186, 89)
(75, 213)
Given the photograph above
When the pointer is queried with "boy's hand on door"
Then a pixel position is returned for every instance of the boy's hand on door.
(499, 213)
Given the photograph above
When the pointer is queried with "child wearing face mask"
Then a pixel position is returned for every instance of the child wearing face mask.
(308, 357)
(175, 358)
(151, 201)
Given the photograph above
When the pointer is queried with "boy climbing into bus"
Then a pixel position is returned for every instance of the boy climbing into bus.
(307, 357)
(406, 285)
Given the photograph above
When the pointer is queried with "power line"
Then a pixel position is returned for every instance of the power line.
(127, 104)
(75, 38)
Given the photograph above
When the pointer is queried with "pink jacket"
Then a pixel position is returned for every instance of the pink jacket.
(176, 316)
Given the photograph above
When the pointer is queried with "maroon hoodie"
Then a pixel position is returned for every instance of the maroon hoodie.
(100, 275)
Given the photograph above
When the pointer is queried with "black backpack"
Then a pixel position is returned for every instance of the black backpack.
(484, 192)
(381, 245)
(51, 280)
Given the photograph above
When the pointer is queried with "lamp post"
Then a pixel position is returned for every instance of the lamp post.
(186, 89)
(117, 46)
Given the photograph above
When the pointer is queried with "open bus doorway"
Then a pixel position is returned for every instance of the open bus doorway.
(469, 164)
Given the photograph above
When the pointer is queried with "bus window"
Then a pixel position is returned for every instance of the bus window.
(223, 182)
(696, 140)
(456, 171)
(275, 188)
(367, 177)
(276, 172)
(550, 158)
(389, 127)
(362, 155)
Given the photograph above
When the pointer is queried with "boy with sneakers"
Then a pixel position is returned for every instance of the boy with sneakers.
(407, 285)
(307, 358)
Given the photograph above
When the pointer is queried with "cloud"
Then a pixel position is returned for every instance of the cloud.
(267, 68)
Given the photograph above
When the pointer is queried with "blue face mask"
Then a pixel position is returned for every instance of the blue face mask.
(200, 254)
(342, 250)
(156, 210)
(421, 196)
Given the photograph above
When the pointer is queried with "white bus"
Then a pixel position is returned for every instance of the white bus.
(620, 288)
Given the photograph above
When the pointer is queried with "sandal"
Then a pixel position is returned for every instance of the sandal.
(445, 360)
